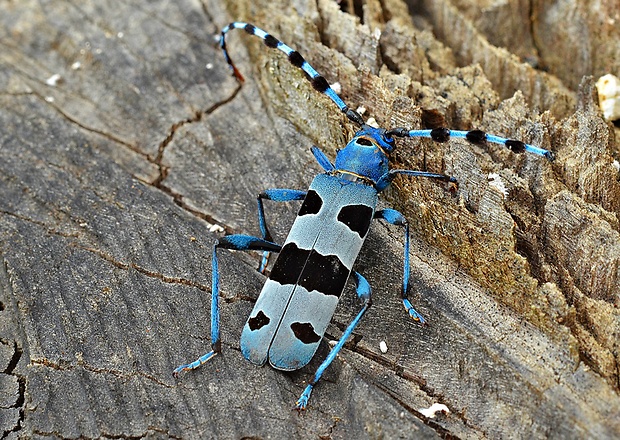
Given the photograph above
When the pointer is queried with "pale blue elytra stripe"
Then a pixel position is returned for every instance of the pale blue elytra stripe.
(335, 237)
(274, 297)
(305, 229)
(338, 239)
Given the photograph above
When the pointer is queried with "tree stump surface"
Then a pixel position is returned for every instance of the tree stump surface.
(127, 150)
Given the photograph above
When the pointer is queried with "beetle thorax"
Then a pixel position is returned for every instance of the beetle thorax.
(363, 156)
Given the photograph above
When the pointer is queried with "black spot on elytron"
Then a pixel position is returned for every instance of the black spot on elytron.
(311, 270)
(440, 134)
(312, 203)
(325, 274)
(259, 321)
(305, 332)
(476, 136)
(320, 84)
(515, 146)
(287, 268)
(250, 29)
(296, 59)
(356, 217)
(271, 41)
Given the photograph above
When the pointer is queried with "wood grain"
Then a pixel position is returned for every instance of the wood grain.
(117, 175)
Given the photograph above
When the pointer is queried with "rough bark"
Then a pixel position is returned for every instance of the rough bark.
(122, 157)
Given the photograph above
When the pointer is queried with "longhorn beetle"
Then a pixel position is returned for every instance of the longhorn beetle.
(299, 298)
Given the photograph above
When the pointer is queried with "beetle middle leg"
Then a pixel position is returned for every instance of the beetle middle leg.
(396, 218)
(277, 195)
(363, 290)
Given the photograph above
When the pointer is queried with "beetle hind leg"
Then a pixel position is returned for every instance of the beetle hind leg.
(236, 242)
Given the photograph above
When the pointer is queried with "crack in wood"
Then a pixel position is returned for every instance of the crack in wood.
(164, 170)
(165, 278)
(146, 434)
(50, 229)
(419, 381)
(21, 382)
(106, 135)
(152, 274)
(66, 366)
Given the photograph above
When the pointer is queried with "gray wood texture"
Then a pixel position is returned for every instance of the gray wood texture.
(126, 148)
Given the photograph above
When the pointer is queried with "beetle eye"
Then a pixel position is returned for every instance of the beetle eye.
(364, 142)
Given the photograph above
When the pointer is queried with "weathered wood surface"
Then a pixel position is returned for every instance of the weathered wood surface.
(112, 176)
